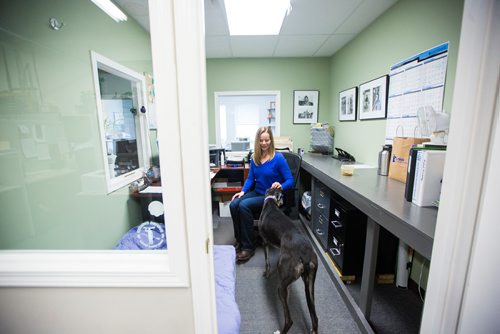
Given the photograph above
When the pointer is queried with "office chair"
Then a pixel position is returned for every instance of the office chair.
(294, 161)
(290, 201)
(290, 195)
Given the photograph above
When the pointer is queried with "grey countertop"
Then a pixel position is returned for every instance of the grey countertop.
(380, 198)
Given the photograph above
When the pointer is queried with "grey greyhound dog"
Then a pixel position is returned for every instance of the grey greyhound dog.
(297, 257)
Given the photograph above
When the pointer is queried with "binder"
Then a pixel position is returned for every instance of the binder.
(410, 175)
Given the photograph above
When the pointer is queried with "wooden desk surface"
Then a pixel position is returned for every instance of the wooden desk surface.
(380, 198)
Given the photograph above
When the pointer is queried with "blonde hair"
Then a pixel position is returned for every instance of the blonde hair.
(257, 151)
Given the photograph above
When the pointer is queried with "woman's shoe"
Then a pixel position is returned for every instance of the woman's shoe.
(237, 247)
(245, 255)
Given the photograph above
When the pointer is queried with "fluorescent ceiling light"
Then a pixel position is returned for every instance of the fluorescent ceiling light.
(110, 8)
(256, 17)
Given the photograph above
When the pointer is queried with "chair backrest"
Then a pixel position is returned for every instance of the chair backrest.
(294, 161)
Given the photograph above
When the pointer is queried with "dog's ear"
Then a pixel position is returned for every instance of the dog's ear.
(279, 198)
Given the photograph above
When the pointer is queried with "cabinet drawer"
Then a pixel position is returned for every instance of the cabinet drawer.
(336, 251)
(321, 199)
(321, 230)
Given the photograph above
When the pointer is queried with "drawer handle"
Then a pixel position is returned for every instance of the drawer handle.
(335, 251)
(321, 206)
(336, 224)
(319, 232)
(337, 243)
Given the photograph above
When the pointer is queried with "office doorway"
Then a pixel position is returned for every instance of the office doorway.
(239, 114)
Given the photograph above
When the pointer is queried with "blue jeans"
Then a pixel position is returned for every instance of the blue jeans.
(243, 210)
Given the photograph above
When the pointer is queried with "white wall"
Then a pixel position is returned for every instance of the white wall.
(96, 311)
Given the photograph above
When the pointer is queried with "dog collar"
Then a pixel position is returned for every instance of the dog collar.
(268, 197)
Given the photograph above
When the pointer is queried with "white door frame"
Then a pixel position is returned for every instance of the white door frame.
(471, 132)
(180, 82)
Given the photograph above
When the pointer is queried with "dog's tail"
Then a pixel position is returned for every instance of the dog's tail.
(309, 264)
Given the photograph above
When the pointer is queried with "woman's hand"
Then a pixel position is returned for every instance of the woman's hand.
(238, 195)
(276, 185)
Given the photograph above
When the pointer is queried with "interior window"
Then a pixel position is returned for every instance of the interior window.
(240, 114)
(120, 104)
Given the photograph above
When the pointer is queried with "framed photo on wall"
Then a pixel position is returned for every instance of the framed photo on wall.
(373, 99)
(348, 103)
(305, 106)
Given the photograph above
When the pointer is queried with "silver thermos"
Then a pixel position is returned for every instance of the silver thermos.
(384, 159)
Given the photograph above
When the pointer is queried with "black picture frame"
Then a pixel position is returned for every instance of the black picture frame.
(373, 98)
(305, 106)
(348, 104)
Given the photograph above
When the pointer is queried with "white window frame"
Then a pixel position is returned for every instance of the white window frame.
(217, 96)
(107, 268)
(141, 128)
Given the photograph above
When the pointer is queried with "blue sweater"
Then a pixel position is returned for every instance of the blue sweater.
(264, 175)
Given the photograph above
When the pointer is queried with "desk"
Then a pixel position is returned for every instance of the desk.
(232, 174)
(382, 200)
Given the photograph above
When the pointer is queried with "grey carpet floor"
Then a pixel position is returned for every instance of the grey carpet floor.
(257, 297)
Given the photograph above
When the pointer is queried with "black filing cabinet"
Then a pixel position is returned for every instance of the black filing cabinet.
(346, 240)
(346, 236)
(320, 212)
(340, 228)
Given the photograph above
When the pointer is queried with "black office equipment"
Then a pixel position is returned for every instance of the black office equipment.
(215, 156)
(343, 155)
(127, 158)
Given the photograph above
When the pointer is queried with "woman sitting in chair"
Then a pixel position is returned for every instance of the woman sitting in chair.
(268, 169)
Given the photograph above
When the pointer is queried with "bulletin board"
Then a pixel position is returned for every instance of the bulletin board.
(415, 82)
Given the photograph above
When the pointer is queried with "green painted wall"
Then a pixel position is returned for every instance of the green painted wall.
(52, 185)
(284, 75)
(407, 28)
(410, 26)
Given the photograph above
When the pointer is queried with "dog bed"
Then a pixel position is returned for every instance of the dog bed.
(228, 313)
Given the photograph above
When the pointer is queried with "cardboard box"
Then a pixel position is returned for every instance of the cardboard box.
(224, 209)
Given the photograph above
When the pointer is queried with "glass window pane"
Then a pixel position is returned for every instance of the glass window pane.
(53, 187)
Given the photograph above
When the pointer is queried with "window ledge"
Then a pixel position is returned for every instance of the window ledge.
(88, 269)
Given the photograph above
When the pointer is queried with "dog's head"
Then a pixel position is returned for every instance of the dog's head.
(274, 194)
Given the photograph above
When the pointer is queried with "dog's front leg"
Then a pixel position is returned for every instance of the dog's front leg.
(268, 265)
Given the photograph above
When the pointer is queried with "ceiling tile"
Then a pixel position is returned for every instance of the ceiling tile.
(218, 47)
(253, 46)
(309, 19)
(299, 46)
(333, 44)
(317, 17)
(364, 15)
